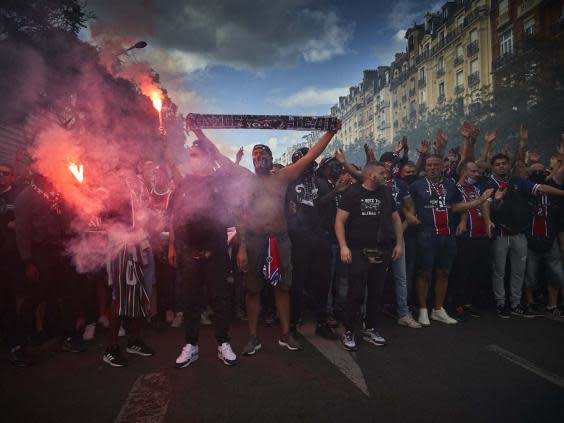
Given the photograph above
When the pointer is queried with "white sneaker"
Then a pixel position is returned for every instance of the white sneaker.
(226, 354)
(408, 321)
(423, 318)
(441, 315)
(89, 332)
(121, 331)
(169, 316)
(104, 321)
(188, 355)
(178, 320)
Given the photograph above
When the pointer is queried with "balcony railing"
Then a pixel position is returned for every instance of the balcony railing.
(412, 92)
(440, 72)
(472, 48)
(502, 61)
(459, 89)
(458, 60)
(473, 79)
(441, 99)
(422, 108)
(422, 82)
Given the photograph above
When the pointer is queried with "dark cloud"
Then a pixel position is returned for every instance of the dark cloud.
(244, 34)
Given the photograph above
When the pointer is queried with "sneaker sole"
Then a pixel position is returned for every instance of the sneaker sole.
(370, 341)
(350, 349)
(407, 325)
(107, 360)
(227, 362)
(142, 354)
(285, 344)
(254, 351)
(186, 363)
(455, 322)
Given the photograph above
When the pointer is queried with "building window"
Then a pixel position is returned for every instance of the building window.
(460, 22)
(459, 78)
(459, 51)
(440, 63)
(506, 43)
(404, 68)
(441, 89)
(412, 84)
(529, 27)
(422, 74)
(474, 66)
(474, 35)
(423, 96)
(503, 7)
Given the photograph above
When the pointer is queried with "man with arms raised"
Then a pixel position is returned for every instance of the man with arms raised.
(265, 249)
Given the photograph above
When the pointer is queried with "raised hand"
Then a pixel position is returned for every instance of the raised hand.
(487, 194)
(490, 137)
(423, 148)
(523, 134)
(239, 155)
(506, 149)
(342, 184)
(340, 156)
(441, 139)
(370, 156)
(466, 130)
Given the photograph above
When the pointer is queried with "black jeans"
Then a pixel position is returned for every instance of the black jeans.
(362, 274)
(197, 273)
(311, 268)
(471, 269)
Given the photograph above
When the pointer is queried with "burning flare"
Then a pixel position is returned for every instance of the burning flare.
(77, 171)
(156, 98)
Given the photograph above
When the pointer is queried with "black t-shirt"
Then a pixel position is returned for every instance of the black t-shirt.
(199, 213)
(303, 213)
(369, 225)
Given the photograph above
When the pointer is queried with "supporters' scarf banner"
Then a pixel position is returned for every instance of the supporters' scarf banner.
(299, 123)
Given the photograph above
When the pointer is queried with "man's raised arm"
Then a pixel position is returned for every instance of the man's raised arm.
(293, 171)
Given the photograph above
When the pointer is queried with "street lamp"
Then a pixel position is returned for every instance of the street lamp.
(138, 44)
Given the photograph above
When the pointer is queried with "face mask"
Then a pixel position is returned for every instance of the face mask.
(263, 166)
(538, 177)
(471, 181)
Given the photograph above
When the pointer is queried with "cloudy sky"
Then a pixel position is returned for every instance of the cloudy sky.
(258, 56)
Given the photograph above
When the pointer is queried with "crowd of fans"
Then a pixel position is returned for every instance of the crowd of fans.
(345, 242)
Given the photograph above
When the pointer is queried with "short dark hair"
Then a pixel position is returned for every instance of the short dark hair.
(373, 163)
(434, 156)
(499, 156)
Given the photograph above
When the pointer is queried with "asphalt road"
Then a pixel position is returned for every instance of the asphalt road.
(486, 369)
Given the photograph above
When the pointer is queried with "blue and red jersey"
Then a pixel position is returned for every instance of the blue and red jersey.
(475, 219)
(433, 204)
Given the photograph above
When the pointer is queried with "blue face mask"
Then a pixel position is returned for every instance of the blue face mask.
(471, 181)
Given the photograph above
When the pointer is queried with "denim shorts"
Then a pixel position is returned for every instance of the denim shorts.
(435, 252)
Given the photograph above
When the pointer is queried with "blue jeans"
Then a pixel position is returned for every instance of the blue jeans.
(400, 279)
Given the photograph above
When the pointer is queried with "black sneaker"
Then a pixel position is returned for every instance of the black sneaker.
(19, 357)
(522, 312)
(114, 357)
(471, 310)
(138, 347)
(325, 331)
(535, 310)
(503, 312)
(555, 311)
(74, 344)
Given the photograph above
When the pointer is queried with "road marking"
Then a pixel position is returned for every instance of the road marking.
(334, 352)
(147, 401)
(527, 365)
